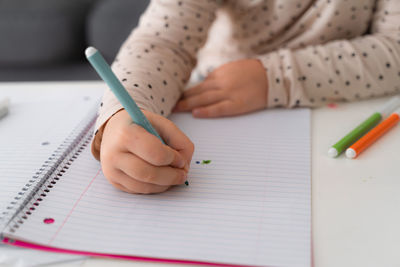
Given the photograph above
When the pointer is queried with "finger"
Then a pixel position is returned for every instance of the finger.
(128, 184)
(148, 147)
(199, 88)
(175, 138)
(220, 109)
(142, 171)
(123, 188)
(119, 179)
(203, 99)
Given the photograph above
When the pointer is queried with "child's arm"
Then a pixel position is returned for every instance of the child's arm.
(153, 64)
(358, 68)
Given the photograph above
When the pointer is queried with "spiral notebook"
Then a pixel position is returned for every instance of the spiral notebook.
(248, 202)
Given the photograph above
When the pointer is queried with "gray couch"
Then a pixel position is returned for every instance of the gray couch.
(44, 40)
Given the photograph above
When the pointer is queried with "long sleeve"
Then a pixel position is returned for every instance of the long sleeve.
(156, 60)
(341, 70)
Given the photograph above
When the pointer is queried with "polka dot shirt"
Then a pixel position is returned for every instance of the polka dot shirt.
(313, 51)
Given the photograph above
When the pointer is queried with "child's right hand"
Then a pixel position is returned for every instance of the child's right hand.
(136, 161)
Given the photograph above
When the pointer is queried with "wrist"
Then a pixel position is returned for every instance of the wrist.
(262, 70)
(98, 137)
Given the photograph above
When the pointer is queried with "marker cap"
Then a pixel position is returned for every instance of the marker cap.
(90, 51)
(332, 152)
(350, 153)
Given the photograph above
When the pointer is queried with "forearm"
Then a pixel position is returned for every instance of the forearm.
(364, 67)
(156, 60)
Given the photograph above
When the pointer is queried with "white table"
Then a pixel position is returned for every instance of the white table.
(356, 216)
(356, 203)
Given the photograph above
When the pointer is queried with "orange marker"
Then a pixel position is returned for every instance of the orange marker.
(368, 139)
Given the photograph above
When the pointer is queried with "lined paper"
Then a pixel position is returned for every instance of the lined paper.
(250, 205)
(30, 133)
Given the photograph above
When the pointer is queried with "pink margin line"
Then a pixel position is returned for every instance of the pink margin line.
(23, 244)
(73, 208)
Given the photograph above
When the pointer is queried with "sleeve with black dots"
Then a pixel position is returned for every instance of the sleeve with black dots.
(342, 70)
(156, 60)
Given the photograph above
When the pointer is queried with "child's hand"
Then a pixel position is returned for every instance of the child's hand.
(136, 161)
(234, 88)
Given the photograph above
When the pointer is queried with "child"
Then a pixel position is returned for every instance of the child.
(280, 54)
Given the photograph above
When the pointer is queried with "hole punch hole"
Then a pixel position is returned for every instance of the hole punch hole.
(45, 143)
(48, 220)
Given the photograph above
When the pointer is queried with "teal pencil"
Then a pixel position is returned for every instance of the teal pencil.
(105, 72)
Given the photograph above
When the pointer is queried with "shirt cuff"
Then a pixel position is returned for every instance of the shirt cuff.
(108, 107)
(277, 92)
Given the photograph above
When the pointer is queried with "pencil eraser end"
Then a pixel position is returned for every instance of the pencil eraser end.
(90, 51)
(350, 153)
(332, 152)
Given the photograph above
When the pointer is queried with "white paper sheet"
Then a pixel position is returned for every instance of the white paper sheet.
(30, 133)
(37, 123)
(250, 205)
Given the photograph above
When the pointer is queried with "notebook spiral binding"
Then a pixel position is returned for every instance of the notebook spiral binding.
(49, 173)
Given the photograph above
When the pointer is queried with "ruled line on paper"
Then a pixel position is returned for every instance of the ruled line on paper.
(72, 210)
(242, 209)
(30, 133)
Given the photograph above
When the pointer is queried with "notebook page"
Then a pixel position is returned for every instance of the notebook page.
(248, 201)
(30, 133)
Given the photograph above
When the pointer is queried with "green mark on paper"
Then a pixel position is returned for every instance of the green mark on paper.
(206, 161)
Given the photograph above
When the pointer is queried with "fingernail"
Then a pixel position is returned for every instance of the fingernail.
(196, 112)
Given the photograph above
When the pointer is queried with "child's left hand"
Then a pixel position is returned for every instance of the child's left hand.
(234, 88)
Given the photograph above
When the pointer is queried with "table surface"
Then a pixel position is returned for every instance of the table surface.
(355, 220)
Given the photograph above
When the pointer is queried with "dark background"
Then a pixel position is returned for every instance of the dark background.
(44, 40)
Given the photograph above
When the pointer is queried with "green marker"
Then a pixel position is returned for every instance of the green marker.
(105, 72)
(364, 127)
